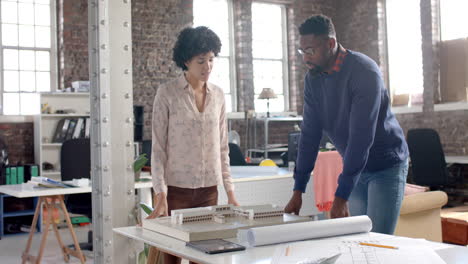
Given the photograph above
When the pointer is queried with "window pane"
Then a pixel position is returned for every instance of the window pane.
(26, 36)
(9, 35)
(11, 104)
(11, 81)
(42, 61)
(213, 14)
(43, 37)
(268, 74)
(29, 103)
(404, 47)
(452, 18)
(26, 60)
(220, 74)
(267, 31)
(27, 81)
(43, 81)
(42, 1)
(10, 59)
(42, 15)
(9, 12)
(25, 14)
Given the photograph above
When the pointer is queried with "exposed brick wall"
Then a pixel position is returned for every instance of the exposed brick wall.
(303, 9)
(155, 27)
(451, 126)
(357, 26)
(72, 21)
(19, 138)
(243, 50)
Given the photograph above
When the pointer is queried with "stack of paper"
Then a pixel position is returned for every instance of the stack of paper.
(48, 183)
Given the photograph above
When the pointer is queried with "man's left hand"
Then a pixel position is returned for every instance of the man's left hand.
(339, 208)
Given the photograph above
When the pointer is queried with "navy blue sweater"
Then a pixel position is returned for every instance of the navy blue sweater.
(352, 108)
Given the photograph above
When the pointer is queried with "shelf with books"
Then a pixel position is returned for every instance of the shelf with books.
(51, 144)
(51, 130)
(65, 115)
(50, 173)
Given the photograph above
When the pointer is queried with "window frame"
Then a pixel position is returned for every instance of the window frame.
(231, 57)
(52, 59)
(284, 60)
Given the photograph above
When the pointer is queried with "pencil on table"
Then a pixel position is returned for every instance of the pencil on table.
(377, 245)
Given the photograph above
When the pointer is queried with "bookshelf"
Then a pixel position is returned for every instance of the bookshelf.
(45, 149)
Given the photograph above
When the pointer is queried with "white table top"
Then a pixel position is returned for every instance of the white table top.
(253, 173)
(24, 190)
(28, 190)
(265, 254)
(456, 159)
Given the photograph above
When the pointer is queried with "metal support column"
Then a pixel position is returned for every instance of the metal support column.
(110, 60)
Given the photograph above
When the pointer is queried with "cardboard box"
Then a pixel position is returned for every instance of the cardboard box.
(454, 70)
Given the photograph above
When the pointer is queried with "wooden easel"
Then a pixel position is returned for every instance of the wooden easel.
(26, 257)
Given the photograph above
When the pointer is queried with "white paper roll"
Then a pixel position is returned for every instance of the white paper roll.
(266, 235)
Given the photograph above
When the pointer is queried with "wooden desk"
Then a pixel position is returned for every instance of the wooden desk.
(265, 254)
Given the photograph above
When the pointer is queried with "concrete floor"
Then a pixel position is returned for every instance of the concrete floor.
(12, 247)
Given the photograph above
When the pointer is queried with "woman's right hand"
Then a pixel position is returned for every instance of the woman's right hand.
(161, 208)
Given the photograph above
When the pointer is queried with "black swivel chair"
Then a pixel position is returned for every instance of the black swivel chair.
(236, 158)
(75, 163)
(428, 160)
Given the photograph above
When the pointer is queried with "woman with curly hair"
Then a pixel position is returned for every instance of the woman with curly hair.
(189, 142)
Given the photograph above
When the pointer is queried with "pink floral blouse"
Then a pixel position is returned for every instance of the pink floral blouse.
(190, 149)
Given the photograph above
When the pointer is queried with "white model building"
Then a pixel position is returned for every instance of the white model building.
(219, 213)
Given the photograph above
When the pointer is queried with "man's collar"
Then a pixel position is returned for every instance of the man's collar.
(339, 60)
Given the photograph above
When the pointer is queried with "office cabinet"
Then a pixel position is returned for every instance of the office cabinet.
(12, 217)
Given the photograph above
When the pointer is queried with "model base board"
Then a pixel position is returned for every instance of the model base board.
(211, 227)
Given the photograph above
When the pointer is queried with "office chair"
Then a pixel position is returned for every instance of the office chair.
(146, 146)
(75, 163)
(236, 158)
(427, 159)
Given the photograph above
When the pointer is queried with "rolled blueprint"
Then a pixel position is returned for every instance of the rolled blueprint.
(266, 235)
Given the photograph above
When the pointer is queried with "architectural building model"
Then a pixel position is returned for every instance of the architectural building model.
(220, 221)
(219, 213)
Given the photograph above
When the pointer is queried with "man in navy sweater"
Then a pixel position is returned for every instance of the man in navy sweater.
(345, 98)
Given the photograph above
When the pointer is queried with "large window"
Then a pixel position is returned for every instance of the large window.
(404, 49)
(216, 15)
(269, 55)
(453, 19)
(27, 54)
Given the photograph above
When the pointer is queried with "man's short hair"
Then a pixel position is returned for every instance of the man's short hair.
(192, 42)
(318, 25)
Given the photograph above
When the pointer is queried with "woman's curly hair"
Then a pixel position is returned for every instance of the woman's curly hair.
(192, 42)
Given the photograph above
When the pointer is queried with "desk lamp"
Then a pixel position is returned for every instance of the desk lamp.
(267, 93)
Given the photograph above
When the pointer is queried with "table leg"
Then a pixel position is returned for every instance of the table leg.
(66, 251)
(26, 257)
(77, 252)
(66, 255)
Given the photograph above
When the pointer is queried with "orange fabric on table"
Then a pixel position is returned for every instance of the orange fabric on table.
(328, 167)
